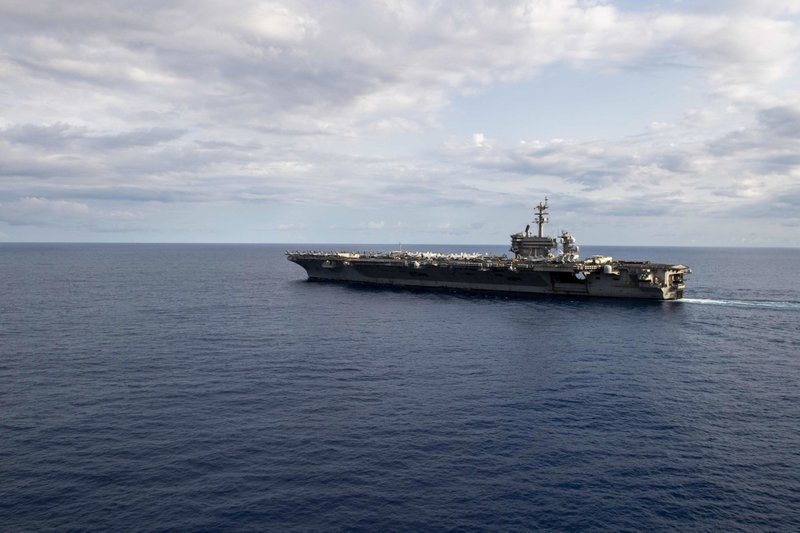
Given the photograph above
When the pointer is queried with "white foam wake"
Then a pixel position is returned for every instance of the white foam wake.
(744, 303)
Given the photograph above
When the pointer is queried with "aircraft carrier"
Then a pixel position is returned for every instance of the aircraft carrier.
(539, 266)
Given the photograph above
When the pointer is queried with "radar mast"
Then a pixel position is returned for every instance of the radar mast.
(534, 248)
(541, 216)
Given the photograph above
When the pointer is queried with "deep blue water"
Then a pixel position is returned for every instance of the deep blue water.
(210, 387)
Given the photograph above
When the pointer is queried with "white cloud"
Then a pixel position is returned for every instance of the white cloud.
(45, 212)
(33, 206)
(316, 103)
(275, 22)
(285, 63)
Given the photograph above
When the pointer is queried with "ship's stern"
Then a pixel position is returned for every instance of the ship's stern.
(638, 280)
(674, 281)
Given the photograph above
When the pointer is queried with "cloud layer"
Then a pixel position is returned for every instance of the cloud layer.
(114, 113)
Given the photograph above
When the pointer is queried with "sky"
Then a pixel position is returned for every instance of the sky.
(643, 123)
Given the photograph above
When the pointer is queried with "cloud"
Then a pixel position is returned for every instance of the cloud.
(652, 174)
(732, 46)
(317, 68)
(290, 227)
(33, 207)
(312, 103)
(782, 121)
(49, 136)
(61, 136)
(768, 146)
(44, 212)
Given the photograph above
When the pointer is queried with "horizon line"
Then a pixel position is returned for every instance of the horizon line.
(401, 245)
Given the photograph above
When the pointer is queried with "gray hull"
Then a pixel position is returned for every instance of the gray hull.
(502, 277)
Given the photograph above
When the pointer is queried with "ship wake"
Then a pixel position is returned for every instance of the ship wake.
(749, 304)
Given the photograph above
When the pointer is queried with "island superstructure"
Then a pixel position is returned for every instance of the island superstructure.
(539, 266)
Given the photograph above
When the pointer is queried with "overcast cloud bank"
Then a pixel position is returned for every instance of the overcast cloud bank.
(331, 122)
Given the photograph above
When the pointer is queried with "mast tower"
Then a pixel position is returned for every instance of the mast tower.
(541, 216)
(536, 248)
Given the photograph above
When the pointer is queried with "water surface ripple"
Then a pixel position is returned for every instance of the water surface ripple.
(211, 387)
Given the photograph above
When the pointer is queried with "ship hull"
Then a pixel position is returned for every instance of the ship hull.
(509, 278)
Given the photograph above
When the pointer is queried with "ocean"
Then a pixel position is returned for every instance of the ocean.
(211, 387)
